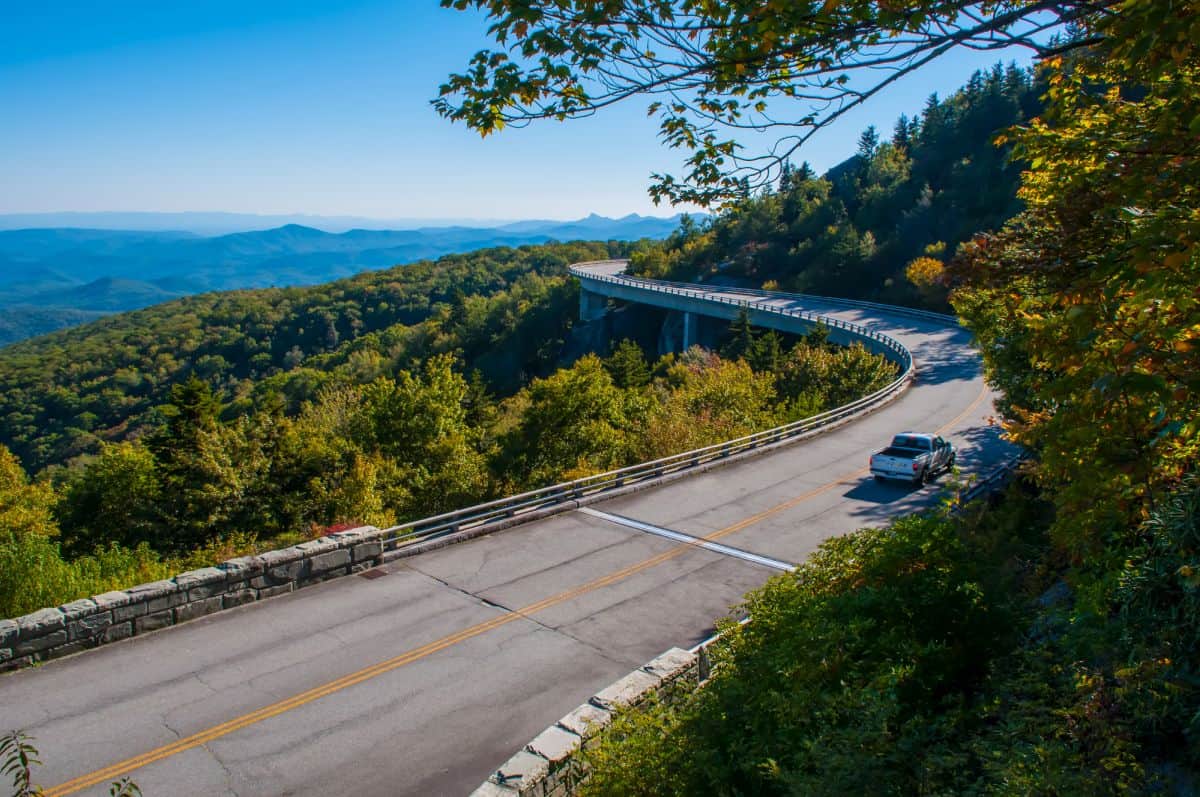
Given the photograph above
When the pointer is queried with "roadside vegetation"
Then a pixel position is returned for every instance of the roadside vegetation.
(1048, 643)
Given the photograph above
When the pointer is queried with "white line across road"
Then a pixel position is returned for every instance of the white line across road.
(699, 542)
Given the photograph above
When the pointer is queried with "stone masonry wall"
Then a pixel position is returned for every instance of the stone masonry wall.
(550, 765)
(87, 623)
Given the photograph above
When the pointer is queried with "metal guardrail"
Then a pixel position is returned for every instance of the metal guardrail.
(432, 528)
(994, 480)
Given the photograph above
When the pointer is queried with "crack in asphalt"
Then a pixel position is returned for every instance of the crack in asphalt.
(466, 592)
(228, 773)
(552, 629)
(166, 723)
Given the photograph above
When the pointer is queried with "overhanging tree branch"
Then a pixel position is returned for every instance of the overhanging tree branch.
(728, 66)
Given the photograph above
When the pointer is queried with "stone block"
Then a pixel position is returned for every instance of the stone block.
(157, 595)
(40, 623)
(130, 611)
(153, 589)
(586, 720)
(332, 560)
(317, 578)
(9, 631)
(168, 601)
(5, 654)
(356, 532)
(242, 567)
(349, 538)
(294, 571)
(236, 586)
(559, 786)
(40, 643)
(239, 598)
(76, 609)
(671, 664)
(17, 663)
(555, 744)
(207, 591)
(190, 611)
(317, 546)
(281, 557)
(117, 631)
(153, 622)
(271, 592)
(489, 789)
(72, 647)
(367, 551)
(629, 691)
(89, 627)
(521, 771)
(111, 600)
(266, 581)
(202, 583)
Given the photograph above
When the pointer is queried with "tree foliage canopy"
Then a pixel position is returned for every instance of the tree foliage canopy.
(716, 71)
(1086, 303)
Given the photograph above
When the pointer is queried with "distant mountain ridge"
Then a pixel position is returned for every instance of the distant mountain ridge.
(80, 272)
(218, 223)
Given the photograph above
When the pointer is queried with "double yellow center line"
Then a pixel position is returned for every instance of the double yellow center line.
(123, 768)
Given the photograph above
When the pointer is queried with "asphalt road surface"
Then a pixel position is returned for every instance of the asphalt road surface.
(423, 681)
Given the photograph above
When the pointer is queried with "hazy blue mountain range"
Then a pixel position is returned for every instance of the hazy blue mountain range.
(57, 277)
(215, 223)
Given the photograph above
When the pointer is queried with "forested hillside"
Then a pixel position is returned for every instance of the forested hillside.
(506, 310)
(931, 184)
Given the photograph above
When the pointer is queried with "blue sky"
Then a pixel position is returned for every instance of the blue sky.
(315, 107)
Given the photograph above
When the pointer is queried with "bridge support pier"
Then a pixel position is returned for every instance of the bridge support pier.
(592, 305)
(691, 330)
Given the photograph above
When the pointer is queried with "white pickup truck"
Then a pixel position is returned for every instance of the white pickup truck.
(913, 457)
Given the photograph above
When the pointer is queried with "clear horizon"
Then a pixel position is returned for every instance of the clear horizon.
(320, 109)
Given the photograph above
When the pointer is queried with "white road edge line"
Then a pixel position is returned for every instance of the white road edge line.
(679, 536)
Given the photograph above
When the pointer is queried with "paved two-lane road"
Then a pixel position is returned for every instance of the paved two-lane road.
(424, 680)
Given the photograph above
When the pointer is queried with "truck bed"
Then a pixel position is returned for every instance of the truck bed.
(901, 453)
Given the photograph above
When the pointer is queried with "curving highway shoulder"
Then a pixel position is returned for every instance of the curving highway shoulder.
(423, 678)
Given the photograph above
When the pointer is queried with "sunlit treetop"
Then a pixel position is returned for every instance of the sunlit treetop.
(715, 70)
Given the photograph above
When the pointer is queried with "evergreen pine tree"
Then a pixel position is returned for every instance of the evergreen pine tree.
(740, 338)
(868, 142)
(627, 366)
(766, 353)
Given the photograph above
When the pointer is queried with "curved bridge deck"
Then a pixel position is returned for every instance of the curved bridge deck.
(423, 680)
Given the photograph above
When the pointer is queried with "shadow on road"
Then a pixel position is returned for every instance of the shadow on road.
(879, 492)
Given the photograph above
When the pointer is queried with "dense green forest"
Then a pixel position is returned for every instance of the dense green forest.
(934, 183)
(506, 311)
(222, 424)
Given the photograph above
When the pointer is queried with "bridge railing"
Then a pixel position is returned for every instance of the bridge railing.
(431, 528)
(691, 288)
